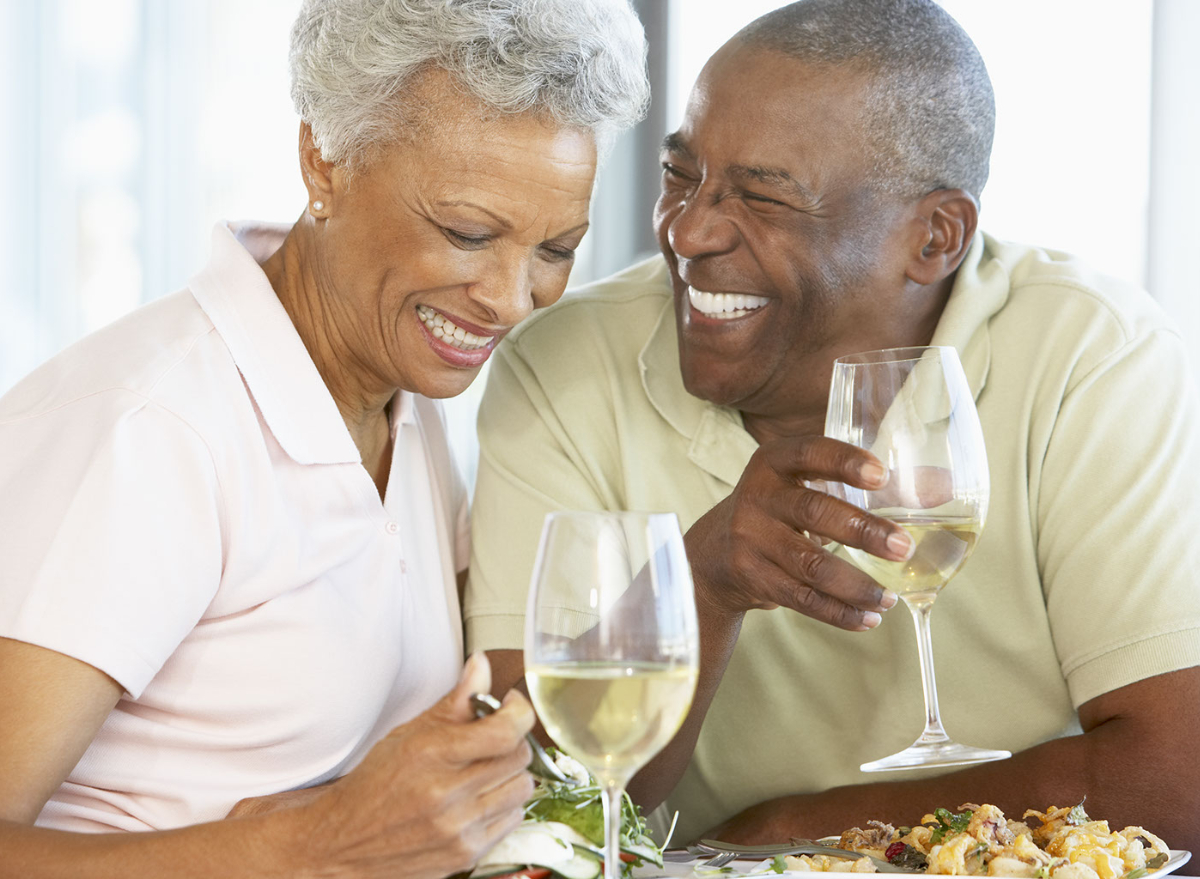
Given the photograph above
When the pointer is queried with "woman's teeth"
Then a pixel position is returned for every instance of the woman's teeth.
(724, 306)
(442, 328)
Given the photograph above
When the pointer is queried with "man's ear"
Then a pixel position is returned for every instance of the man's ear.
(943, 228)
(318, 175)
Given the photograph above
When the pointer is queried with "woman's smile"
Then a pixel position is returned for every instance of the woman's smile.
(455, 340)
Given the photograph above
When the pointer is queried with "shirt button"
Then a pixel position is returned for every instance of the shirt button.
(392, 528)
(403, 567)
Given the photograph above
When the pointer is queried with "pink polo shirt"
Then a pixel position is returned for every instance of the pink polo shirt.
(184, 509)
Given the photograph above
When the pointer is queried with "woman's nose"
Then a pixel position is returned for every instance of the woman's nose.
(506, 291)
(700, 227)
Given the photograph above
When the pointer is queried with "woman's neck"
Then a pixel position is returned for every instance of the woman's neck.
(309, 297)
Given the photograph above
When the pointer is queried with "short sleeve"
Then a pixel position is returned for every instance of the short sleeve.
(110, 532)
(1117, 516)
(528, 467)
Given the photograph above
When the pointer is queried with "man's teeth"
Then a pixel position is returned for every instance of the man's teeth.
(448, 332)
(724, 306)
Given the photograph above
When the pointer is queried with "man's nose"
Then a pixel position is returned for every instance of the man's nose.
(701, 227)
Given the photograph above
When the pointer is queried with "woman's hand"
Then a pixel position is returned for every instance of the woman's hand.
(429, 799)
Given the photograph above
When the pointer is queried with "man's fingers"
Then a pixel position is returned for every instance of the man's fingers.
(823, 458)
(811, 565)
(787, 589)
(817, 513)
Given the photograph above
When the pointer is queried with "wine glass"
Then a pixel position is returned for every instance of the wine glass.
(913, 409)
(611, 645)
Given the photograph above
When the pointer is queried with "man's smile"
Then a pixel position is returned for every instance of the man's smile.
(724, 306)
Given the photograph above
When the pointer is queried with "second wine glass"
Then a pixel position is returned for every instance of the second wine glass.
(611, 645)
(913, 409)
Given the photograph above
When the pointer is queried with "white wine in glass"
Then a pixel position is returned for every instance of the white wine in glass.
(913, 409)
(611, 645)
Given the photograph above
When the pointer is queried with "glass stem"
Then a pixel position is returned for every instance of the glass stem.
(612, 795)
(934, 732)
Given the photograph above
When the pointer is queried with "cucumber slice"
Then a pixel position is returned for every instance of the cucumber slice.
(583, 866)
(495, 870)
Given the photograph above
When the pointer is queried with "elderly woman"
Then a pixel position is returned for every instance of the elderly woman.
(231, 526)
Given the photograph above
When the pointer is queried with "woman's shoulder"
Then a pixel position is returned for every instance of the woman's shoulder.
(161, 352)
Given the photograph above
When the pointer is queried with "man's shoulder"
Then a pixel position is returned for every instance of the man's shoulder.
(617, 313)
(1059, 291)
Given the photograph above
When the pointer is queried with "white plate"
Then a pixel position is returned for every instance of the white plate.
(1177, 859)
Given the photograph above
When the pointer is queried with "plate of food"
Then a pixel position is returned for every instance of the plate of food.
(979, 840)
(562, 836)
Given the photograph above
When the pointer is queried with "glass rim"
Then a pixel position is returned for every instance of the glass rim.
(891, 355)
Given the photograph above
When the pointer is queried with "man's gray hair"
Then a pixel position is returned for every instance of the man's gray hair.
(580, 63)
(930, 108)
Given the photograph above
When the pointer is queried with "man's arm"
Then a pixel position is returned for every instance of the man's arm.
(1135, 763)
(752, 551)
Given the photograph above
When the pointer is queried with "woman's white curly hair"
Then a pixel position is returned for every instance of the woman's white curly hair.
(581, 63)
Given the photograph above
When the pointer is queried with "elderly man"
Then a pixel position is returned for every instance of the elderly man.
(821, 198)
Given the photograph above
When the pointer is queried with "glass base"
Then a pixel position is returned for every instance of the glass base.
(938, 753)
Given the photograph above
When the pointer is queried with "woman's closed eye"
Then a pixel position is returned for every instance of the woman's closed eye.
(466, 240)
(557, 253)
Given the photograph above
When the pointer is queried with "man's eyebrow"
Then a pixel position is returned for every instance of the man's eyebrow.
(673, 143)
(776, 177)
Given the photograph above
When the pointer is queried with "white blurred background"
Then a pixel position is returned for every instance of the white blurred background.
(131, 126)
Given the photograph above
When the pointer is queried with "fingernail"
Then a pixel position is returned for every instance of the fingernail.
(873, 472)
(889, 599)
(900, 543)
(476, 663)
(871, 619)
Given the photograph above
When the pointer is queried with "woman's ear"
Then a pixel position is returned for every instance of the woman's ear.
(318, 175)
(946, 223)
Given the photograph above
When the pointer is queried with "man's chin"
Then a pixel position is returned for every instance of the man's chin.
(723, 387)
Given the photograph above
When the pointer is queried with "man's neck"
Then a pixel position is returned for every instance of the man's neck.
(804, 415)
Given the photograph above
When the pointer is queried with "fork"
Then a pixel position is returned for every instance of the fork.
(799, 847)
(695, 853)
(542, 765)
(719, 860)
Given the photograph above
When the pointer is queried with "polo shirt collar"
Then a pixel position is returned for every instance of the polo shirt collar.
(720, 444)
(276, 367)
(980, 290)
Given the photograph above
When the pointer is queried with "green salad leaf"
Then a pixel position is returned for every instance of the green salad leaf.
(949, 822)
(1077, 816)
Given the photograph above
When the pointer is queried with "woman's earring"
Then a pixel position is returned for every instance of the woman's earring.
(318, 205)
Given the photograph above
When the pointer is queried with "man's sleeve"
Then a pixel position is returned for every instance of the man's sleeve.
(1118, 513)
(110, 533)
(529, 466)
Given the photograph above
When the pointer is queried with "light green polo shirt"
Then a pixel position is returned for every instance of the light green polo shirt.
(1085, 578)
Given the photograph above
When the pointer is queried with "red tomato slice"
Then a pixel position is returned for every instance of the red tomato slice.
(528, 873)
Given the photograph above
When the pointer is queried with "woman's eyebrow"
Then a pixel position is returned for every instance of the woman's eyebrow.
(501, 221)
